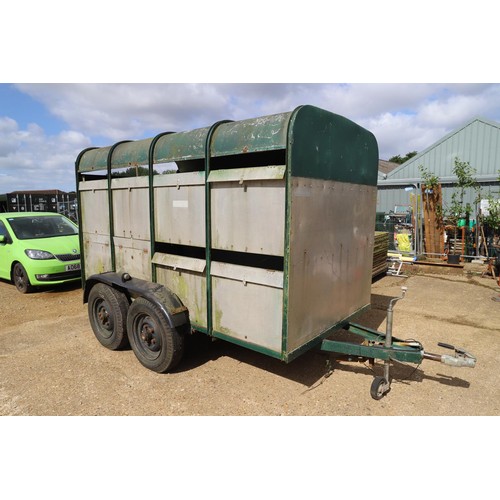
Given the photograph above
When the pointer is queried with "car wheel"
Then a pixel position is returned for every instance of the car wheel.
(21, 279)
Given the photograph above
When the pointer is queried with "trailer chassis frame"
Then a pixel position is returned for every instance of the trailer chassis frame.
(385, 347)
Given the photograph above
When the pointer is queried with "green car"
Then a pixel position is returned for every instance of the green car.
(38, 248)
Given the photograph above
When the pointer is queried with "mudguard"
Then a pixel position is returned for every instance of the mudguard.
(175, 311)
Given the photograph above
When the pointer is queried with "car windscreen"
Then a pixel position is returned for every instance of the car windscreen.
(27, 228)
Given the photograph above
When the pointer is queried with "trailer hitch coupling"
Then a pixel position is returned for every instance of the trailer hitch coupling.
(461, 358)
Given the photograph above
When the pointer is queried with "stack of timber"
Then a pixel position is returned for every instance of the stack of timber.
(380, 249)
(433, 226)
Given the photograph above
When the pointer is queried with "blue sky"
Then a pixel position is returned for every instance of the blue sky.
(43, 127)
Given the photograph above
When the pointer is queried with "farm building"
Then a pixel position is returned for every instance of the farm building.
(477, 142)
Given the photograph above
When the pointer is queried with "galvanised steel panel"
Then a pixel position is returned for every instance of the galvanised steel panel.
(94, 207)
(247, 311)
(131, 207)
(133, 257)
(268, 172)
(249, 216)
(180, 179)
(97, 251)
(247, 274)
(331, 255)
(179, 262)
(180, 209)
(189, 285)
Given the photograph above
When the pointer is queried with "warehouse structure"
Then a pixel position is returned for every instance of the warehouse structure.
(477, 142)
(52, 200)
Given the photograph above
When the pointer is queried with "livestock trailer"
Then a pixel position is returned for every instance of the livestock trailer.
(259, 232)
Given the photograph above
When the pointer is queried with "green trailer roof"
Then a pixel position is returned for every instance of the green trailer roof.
(320, 144)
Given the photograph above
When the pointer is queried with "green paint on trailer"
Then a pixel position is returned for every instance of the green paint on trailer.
(248, 136)
(328, 146)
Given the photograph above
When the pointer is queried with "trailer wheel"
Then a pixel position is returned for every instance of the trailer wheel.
(108, 315)
(156, 345)
(378, 388)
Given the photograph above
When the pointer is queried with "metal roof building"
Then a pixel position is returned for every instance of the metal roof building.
(476, 142)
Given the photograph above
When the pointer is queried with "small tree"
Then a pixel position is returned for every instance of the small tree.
(402, 159)
(458, 208)
(492, 220)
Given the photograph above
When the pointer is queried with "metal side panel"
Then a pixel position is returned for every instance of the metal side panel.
(133, 257)
(180, 179)
(185, 276)
(131, 208)
(179, 262)
(331, 255)
(249, 216)
(97, 251)
(269, 172)
(248, 304)
(94, 207)
(180, 211)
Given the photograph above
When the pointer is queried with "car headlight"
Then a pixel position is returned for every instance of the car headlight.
(39, 254)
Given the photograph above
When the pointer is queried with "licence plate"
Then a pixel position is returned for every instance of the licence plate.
(73, 267)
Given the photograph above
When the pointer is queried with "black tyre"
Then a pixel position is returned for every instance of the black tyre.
(378, 388)
(156, 345)
(21, 279)
(107, 310)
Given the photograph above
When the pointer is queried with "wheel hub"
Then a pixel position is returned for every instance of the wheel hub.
(103, 316)
(147, 334)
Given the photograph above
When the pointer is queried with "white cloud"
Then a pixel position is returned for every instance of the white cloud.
(30, 159)
(404, 117)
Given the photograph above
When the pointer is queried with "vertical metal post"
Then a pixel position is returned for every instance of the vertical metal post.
(110, 205)
(388, 333)
(79, 211)
(152, 231)
(208, 224)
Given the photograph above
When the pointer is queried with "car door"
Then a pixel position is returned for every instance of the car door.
(5, 252)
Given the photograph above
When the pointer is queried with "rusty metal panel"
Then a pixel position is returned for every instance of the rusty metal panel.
(245, 306)
(186, 277)
(331, 255)
(249, 216)
(133, 257)
(180, 208)
(131, 207)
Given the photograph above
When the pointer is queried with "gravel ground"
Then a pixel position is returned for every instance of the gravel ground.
(51, 363)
